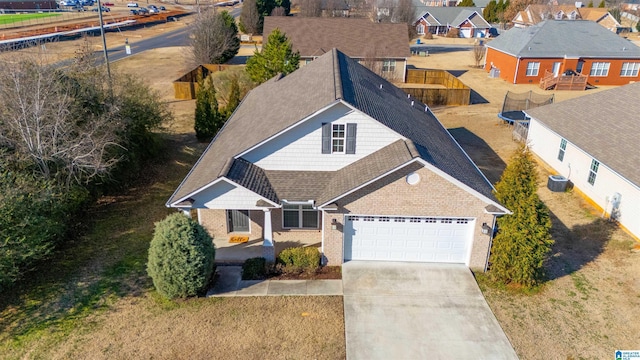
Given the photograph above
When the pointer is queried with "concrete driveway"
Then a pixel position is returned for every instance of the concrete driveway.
(396, 310)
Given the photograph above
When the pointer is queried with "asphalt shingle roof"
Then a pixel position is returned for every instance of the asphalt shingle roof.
(358, 38)
(605, 125)
(282, 102)
(453, 16)
(560, 38)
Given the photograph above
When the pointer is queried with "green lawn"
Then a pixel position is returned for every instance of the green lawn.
(13, 18)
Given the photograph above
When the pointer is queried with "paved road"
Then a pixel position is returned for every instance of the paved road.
(396, 310)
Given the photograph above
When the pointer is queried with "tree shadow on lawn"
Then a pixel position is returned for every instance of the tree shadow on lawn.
(480, 152)
(577, 246)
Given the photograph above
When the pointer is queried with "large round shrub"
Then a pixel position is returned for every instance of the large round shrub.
(181, 257)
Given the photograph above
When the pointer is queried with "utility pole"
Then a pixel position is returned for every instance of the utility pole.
(104, 41)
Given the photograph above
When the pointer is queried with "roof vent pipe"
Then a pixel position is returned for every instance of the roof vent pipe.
(408, 96)
(380, 86)
(426, 108)
(411, 102)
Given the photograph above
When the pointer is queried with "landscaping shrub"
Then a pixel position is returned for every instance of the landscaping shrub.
(181, 257)
(428, 36)
(254, 269)
(453, 33)
(296, 260)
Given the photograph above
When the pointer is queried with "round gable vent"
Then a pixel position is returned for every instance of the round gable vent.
(413, 178)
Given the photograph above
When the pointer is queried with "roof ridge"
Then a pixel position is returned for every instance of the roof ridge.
(337, 75)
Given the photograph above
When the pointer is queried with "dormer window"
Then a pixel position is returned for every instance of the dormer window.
(338, 138)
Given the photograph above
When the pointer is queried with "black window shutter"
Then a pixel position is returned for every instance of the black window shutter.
(351, 138)
(326, 138)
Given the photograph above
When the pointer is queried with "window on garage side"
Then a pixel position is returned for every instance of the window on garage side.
(629, 69)
(563, 148)
(599, 69)
(299, 217)
(593, 171)
(532, 68)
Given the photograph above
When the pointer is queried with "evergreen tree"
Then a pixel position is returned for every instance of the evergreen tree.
(181, 257)
(467, 3)
(590, 4)
(521, 246)
(489, 12)
(276, 57)
(602, 4)
(233, 99)
(208, 119)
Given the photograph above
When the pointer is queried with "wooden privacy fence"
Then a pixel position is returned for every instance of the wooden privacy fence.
(446, 89)
(186, 87)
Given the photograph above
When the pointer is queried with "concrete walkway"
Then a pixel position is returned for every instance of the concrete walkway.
(396, 310)
(230, 283)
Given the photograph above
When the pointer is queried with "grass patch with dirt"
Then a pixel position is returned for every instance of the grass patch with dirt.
(13, 18)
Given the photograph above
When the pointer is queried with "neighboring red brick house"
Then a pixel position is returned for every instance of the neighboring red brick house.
(524, 56)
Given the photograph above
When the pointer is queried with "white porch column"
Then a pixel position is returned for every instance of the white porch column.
(268, 249)
(186, 212)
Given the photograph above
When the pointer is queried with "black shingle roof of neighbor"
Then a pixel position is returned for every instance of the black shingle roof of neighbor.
(604, 125)
(564, 38)
(268, 110)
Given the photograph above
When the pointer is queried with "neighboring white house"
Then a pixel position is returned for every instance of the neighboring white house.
(334, 156)
(593, 141)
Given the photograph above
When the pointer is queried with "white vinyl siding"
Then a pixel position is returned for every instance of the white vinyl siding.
(533, 68)
(629, 69)
(299, 217)
(226, 196)
(300, 147)
(576, 166)
(599, 69)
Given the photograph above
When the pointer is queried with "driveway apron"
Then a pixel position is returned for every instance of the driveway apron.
(399, 310)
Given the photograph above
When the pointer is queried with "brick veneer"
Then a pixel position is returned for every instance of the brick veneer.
(391, 195)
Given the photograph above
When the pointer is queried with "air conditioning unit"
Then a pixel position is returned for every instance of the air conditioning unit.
(557, 183)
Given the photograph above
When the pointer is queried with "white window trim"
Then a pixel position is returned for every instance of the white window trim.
(562, 150)
(599, 69)
(343, 138)
(534, 67)
(300, 223)
(630, 66)
(591, 171)
(420, 29)
(389, 64)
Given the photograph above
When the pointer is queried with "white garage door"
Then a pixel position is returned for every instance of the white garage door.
(424, 239)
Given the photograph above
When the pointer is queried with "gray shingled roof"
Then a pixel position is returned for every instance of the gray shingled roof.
(358, 38)
(268, 110)
(604, 124)
(453, 16)
(560, 38)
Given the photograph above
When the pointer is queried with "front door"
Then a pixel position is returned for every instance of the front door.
(579, 67)
(238, 220)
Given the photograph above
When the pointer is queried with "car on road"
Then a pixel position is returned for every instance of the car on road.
(143, 11)
(132, 4)
(108, 4)
(104, 9)
(68, 3)
(162, 8)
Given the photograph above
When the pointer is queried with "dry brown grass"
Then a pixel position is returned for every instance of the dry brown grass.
(587, 308)
(214, 328)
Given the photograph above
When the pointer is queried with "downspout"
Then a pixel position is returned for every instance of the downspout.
(515, 76)
(493, 227)
(323, 261)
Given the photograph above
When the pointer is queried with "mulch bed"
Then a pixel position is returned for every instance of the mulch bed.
(325, 273)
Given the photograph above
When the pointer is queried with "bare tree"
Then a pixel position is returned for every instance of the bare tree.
(279, 11)
(249, 17)
(215, 38)
(405, 12)
(478, 54)
(310, 8)
(40, 123)
(381, 66)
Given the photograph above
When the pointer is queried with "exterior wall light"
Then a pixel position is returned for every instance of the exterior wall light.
(334, 224)
(486, 229)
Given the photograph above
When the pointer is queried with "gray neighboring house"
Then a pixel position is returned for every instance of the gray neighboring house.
(593, 141)
(382, 47)
(336, 157)
(439, 20)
